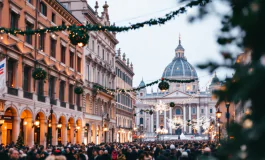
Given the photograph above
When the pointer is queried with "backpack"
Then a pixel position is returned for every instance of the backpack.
(114, 155)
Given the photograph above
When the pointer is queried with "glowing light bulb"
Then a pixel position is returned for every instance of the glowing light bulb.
(2, 37)
(80, 44)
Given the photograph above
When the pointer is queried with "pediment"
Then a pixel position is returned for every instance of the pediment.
(176, 93)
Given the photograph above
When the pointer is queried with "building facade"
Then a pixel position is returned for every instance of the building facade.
(190, 103)
(27, 104)
(99, 69)
(124, 101)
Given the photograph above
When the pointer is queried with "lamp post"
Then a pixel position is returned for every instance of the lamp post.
(51, 112)
(227, 104)
(218, 115)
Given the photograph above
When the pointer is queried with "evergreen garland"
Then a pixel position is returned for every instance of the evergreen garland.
(79, 90)
(163, 85)
(172, 104)
(79, 36)
(90, 27)
(39, 74)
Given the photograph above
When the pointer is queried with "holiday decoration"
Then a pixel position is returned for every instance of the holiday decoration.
(163, 85)
(79, 36)
(151, 112)
(78, 90)
(39, 74)
(20, 142)
(172, 104)
(112, 28)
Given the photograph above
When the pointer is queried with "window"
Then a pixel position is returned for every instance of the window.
(178, 112)
(53, 47)
(11, 72)
(78, 100)
(141, 111)
(79, 64)
(53, 17)
(62, 90)
(30, 1)
(103, 54)
(71, 59)
(141, 121)
(88, 74)
(41, 88)
(211, 110)
(98, 50)
(193, 87)
(43, 9)
(14, 20)
(93, 45)
(63, 49)
(26, 82)
(42, 41)
(66, 5)
(108, 57)
(202, 110)
(141, 94)
(29, 26)
(63, 23)
(71, 95)
(193, 110)
(51, 87)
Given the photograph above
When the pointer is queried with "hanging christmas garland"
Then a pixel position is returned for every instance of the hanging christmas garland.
(78, 90)
(172, 104)
(39, 74)
(149, 111)
(79, 36)
(89, 27)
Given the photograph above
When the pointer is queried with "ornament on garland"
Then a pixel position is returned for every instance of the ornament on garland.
(172, 104)
(78, 90)
(39, 74)
(78, 36)
(151, 112)
(163, 85)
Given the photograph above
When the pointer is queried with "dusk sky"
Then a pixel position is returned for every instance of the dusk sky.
(151, 49)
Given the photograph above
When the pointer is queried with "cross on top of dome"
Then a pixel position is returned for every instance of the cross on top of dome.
(180, 50)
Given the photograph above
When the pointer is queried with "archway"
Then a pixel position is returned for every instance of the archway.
(26, 127)
(71, 130)
(40, 131)
(62, 131)
(10, 128)
(78, 131)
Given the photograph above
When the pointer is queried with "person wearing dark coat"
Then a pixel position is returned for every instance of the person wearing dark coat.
(69, 155)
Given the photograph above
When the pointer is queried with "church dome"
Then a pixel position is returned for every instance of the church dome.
(180, 68)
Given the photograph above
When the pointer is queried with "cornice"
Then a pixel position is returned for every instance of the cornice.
(119, 61)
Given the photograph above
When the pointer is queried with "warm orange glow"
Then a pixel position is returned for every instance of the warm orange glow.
(2, 37)
(80, 44)
(25, 123)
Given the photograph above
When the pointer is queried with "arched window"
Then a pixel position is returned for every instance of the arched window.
(141, 121)
(178, 112)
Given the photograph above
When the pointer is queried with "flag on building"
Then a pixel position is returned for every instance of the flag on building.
(2, 76)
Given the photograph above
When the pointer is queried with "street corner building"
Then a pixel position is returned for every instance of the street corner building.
(191, 104)
(41, 111)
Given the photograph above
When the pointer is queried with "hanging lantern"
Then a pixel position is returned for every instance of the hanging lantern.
(172, 104)
(78, 36)
(39, 74)
(78, 90)
(163, 86)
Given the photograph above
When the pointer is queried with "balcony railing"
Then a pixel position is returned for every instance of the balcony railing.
(79, 108)
(28, 95)
(53, 101)
(12, 91)
(63, 104)
(72, 106)
(41, 98)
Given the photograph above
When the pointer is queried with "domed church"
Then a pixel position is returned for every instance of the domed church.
(190, 102)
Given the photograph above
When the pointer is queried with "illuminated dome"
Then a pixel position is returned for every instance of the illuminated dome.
(180, 68)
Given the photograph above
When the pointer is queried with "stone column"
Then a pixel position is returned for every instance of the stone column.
(64, 134)
(89, 134)
(144, 120)
(15, 128)
(28, 132)
(184, 118)
(72, 133)
(43, 130)
(165, 119)
(206, 112)
(157, 120)
(190, 117)
(152, 123)
(54, 133)
(198, 116)
(170, 117)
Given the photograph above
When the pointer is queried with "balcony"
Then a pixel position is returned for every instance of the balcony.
(53, 101)
(12, 91)
(79, 108)
(28, 95)
(72, 106)
(63, 104)
(41, 98)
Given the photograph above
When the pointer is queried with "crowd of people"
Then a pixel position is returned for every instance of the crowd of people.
(169, 150)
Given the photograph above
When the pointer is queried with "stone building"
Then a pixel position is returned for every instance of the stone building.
(191, 103)
(26, 103)
(99, 69)
(124, 101)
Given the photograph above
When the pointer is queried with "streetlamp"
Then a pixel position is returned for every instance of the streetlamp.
(218, 115)
(227, 104)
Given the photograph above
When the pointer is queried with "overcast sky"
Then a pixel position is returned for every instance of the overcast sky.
(151, 49)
